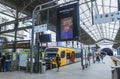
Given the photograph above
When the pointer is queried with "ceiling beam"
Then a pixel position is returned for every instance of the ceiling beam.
(22, 10)
(7, 14)
(12, 22)
(105, 39)
(103, 6)
(88, 6)
(13, 6)
(23, 28)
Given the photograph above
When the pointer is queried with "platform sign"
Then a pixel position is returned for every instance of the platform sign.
(41, 28)
(52, 44)
(106, 18)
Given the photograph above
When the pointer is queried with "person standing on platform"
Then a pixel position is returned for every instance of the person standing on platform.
(2, 68)
(50, 63)
(58, 62)
(98, 57)
(101, 57)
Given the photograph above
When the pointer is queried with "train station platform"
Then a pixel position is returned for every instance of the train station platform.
(74, 71)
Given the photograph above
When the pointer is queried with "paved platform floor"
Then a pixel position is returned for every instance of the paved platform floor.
(74, 71)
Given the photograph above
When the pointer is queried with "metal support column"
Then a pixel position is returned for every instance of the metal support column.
(47, 22)
(82, 56)
(37, 54)
(93, 55)
(92, 11)
(77, 44)
(89, 55)
(32, 42)
(66, 43)
(16, 26)
(85, 53)
(72, 44)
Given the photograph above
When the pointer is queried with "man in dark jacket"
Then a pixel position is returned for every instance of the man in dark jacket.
(58, 61)
(3, 63)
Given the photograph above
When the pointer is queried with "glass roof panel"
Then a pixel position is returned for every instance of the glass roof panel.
(103, 30)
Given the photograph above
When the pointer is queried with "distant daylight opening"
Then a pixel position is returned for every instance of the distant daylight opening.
(108, 51)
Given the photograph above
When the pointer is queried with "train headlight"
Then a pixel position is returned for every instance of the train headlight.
(53, 59)
(46, 58)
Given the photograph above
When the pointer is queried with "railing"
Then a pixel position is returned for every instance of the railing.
(116, 60)
(116, 68)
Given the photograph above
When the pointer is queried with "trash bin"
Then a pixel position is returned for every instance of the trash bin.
(42, 67)
(118, 72)
(115, 72)
(7, 65)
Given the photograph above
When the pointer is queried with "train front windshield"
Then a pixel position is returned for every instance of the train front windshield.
(51, 52)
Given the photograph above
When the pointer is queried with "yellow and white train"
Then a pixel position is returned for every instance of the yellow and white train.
(67, 55)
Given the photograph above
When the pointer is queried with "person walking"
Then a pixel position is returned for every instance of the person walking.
(58, 62)
(101, 57)
(98, 57)
(2, 68)
(50, 63)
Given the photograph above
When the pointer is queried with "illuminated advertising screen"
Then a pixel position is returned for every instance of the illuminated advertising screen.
(68, 22)
(67, 28)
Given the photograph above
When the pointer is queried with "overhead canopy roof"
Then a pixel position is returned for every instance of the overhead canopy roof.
(117, 40)
(85, 37)
(25, 6)
(97, 32)
(103, 30)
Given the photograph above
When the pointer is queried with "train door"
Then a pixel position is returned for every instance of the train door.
(67, 58)
(63, 57)
(72, 57)
(68, 53)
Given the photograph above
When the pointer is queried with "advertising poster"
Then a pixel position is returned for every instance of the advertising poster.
(67, 28)
(68, 22)
(23, 59)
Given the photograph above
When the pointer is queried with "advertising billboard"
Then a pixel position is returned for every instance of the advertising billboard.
(68, 22)
(67, 28)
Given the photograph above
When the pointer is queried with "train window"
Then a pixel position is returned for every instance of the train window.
(62, 54)
(51, 52)
(68, 55)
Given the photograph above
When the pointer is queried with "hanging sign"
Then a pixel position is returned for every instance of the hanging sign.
(68, 22)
